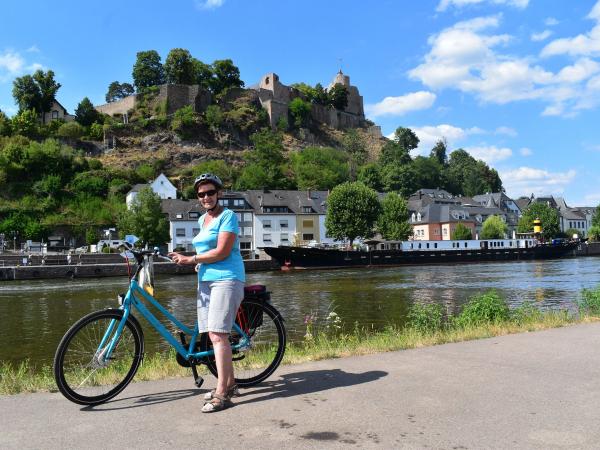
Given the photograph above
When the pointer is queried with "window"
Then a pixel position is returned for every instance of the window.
(194, 215)
(465, 245)
(195, 231)
(180, 232)
(284, 237)
(307, 209)
(54, 114)
(445, 231)
(238, 202)
(307, 223)
(245, 245)
(267, 237)
(413, 218)
(307, 236)
(418, 217)
(247, 217)
(266, 224)
(283, 223)
(246, 231)
(239, 216)
(435, 245)
(428, 245)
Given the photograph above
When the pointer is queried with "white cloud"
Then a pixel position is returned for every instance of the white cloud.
(465, 57)
(445, 4)
(550, 22)
(506, 131)
(526, 151)
(397, 106)
(581, 45)
(490, 154)
(33, 49)
(208, 4)
(537, 37)
(12, 65)
(429, 135)
(528, 180)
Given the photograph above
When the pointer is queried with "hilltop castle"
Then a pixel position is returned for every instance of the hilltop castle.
(273, 96)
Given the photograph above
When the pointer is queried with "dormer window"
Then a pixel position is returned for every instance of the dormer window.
(418, 217)
(413, 218)
(179, 216)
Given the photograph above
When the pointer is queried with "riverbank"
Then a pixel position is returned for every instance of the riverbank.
(484, 316)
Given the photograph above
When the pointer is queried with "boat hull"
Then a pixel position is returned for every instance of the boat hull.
(312, 258)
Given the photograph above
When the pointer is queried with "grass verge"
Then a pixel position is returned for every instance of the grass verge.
(483, 316)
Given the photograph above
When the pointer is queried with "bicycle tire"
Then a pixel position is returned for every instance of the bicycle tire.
(73, 362)
(271, 327)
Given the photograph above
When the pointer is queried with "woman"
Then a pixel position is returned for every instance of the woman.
(221, 278)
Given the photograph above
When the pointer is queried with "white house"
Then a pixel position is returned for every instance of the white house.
(161, 186)
(57, 111)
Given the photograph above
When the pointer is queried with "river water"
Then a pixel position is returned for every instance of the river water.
(34, 315)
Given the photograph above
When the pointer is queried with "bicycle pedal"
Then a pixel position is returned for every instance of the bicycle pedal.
(199, 381)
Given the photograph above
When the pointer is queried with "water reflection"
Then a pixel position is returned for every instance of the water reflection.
(35, 314)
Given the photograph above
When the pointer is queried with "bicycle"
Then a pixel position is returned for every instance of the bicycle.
(108, 345)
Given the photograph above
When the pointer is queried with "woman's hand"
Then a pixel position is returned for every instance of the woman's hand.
(182, 260)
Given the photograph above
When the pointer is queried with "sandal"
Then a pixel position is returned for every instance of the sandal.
(233, 391)
(217, 403)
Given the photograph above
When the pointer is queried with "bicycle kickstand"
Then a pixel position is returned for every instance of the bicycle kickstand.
(198, 380)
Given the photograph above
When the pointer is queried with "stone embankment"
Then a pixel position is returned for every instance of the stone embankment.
(22, 267)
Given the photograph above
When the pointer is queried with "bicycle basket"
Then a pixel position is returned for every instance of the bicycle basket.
(250, 317)
(146, 276)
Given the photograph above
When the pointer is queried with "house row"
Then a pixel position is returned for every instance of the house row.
(285, 217)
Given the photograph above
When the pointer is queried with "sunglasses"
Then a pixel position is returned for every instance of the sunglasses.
(209, 193)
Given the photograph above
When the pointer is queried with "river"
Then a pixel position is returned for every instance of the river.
(35, 314)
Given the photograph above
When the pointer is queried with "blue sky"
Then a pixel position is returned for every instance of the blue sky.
(514, 82)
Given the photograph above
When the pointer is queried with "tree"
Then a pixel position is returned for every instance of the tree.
(25, 123)
(117, 91)
(37, 92)
(547, 215)
(300, 111)
(392, 223)
(145, 219)
(352, 210)
(428, 172)
(338, 97)
(370, 175)
(400, 179)
(70, 130)
(394, 153)
(185, 121)
(494, 228)
(180, 67)
(594, 233)
(85, 113)
(225, 76)
(356, 148)
(202, 73)
(265, 164)
(319, 168)
(406, 138)
(461, 233)
(147, 70)
(214, 119)
(439, 152)
(467, 176)
(596, 217)
(5, 127)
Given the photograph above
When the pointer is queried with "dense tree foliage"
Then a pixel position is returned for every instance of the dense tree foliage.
(86, 114)
(392, 222)
(118, 91)
(225, 76)
(180, 67)
(494, 228)
(319, 168)
(547, 215)
(352, 210)
(36, 92)
(461, 232)
(145, 219)
(356, 148)
(338, 96)
(147, 70)
(596, 217)
(300, 112)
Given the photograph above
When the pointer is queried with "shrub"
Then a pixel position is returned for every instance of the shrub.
(590, 302)
(526, 313)
(70, 130)
(462, 232)
(482, 309)
(425, 318)
(185, 120)
(300, 111)
(96, 131)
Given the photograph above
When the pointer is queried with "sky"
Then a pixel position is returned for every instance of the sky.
(516, 83)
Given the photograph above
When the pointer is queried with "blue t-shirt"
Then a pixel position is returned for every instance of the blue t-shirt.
(230, 268)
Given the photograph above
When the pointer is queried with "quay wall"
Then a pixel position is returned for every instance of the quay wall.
(107, 270)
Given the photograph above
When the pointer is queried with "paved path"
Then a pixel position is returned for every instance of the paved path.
(534, 390)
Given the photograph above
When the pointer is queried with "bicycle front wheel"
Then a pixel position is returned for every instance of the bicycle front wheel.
(257, 361)
(82, 373)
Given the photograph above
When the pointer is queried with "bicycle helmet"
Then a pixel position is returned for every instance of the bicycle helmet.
(208, 178)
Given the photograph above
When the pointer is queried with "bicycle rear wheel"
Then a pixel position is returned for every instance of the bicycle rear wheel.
(85, 377)
(258, 361)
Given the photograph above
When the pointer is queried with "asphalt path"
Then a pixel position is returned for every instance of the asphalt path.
(534, 390)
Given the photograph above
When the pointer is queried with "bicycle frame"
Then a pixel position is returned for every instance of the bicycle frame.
(134, 299)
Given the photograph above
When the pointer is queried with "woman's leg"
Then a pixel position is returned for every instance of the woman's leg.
(222, 350)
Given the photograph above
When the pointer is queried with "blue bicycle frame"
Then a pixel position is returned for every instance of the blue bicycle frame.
(134, 298)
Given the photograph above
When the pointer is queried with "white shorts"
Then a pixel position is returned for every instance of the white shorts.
(218, 302)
